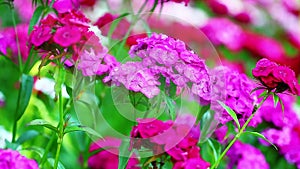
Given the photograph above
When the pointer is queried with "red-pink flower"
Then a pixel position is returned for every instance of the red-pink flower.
(40, 35)
(104, 23)
(63, 6)
(277, 77)
(67, 35)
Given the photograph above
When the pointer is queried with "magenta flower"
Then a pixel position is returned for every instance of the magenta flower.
(108, 158)
(245, 156)
(40, 35)
(63, 6)
(10, 159)
(136, 78)
(273, 76)
(67, 35)
(234, 90)
(89, 62)
(170, 58)
(193, 163)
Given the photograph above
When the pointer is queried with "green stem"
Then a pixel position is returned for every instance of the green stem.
(61, 128)
(14, 131)
(17, 40)
(49, 145)
(240, 132)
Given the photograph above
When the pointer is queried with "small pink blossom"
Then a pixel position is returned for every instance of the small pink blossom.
(67, 35)
(40, 35)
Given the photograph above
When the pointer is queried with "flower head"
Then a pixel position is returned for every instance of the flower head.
(170, 58)
(273, 76)
(10, 159)
(234, 89)
(246, 156)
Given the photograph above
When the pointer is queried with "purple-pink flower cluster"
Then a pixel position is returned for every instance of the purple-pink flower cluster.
(168, 57)
(245, 156)
(233, 89)
(11, 159)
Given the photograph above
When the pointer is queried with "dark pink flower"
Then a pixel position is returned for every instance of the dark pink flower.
(87, 2)
(277, 77)
(67, 35)
(180, 1)
(151, 127)
(63, 6)
(108, 158)
(40, 35)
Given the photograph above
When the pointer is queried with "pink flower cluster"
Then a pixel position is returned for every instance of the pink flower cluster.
(234, 90)
(68, 37)
(273, 76)
(108, 158)
(178, 140)
(10, 159)
(245, 156)
(168, 57)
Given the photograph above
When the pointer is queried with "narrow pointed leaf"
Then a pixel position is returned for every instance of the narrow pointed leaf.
(24, 95)
(35, 17)
(231, 113)
(82, 128)
(257, 88)
(124, 154)
(275, 99)
(260, 136)
(201, 112)
(41, 122)
(28, 135)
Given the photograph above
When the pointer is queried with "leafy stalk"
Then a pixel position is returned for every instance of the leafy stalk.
(237, 136)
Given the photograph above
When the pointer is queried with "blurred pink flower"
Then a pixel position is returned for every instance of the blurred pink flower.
(8, 41)
(11, 159)
(104, 24)
(63, 6)
(221, 31)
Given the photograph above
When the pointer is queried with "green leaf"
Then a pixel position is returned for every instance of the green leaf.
(216, 148)
(263, 94)
(35, 17)
(258, 88)
(282, 105)
(171, 107)
(201, 112)
(82, 128)
(28, 135)
(231, 113)
(154, 6)
(10, 145)
(51, 162)
(275, 99)
(260, 136)
(24, 95)
(59, 80)
(41, 122)
(124, 154)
